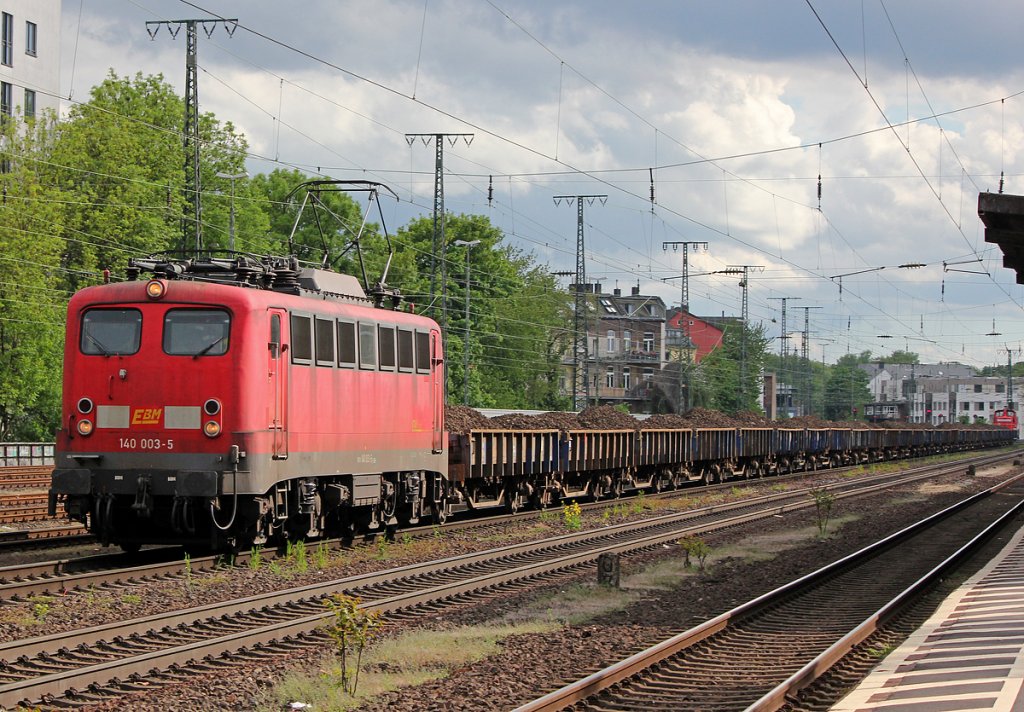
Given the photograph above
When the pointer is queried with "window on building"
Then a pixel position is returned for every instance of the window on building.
(611, 341)
(30, 104)
(965, 406)
(626, 378)
(977, 388)
(627, 341)
(979, 405)
(30, 38)
(648, 341)
(609, 377)
(1000, 388)
(6, 99)
(648, 375)
(7, 39)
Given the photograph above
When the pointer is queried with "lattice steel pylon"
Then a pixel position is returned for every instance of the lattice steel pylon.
(684, 308)
(805, 355)
(745, 286)
(580, 367)
(783, 343)
(191, 219)
(439, 246)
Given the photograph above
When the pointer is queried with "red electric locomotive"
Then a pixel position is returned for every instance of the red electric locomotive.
(223, 401)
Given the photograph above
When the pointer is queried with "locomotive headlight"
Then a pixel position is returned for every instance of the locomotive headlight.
(211, 429)
(155, 289)
(84, 405)
(212, 406)
(84, 427)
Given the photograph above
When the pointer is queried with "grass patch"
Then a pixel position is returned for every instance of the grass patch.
(660, 576)
(572, 605)
(766, 547)
(410, 659)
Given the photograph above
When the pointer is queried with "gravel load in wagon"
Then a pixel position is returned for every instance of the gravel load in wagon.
(462, 419)
(540, 421)
(606, 417)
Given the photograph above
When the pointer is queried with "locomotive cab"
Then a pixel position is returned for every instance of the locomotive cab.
(148, 385)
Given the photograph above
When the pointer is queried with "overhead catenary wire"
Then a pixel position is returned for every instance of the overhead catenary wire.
(865, 63)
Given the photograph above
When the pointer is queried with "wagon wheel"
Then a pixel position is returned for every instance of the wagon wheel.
(439, 512)
(512, 501)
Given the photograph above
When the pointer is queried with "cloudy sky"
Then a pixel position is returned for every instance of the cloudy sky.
(905, 108)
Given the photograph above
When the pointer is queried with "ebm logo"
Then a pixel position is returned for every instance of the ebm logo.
(146, 416)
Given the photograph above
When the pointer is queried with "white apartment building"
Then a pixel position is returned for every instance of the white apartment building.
(29, 56)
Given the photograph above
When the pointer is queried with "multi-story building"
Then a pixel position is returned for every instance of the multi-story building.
(29, 57)
(625, 347)
(702, 336)
(936, 394)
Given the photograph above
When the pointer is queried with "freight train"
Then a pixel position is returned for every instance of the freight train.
(231, 401)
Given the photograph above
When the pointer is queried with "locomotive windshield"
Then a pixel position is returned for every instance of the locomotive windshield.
(196, 332)
(106, 332)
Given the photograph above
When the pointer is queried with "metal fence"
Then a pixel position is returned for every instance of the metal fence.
(25, 454)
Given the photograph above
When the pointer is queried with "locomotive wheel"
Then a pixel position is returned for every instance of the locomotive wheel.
(388, 499)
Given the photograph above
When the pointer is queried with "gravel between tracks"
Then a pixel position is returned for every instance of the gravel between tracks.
(526, 661)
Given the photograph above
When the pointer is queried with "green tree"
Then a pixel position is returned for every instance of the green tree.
(31, 303)
(718, 378)
(901, 356)
(846, 390)
(517, 313)
(121, 155)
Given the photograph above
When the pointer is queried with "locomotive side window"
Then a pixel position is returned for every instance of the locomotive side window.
(275, 335)
(386, 341)
(324, 342)
(346, 344)
(405, 359)
(302, 339)
(422, 352)
(367, 346)
(196, 332)
(111, 331)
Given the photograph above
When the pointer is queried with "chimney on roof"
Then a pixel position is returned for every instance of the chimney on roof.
(636, 290)
(617, 292)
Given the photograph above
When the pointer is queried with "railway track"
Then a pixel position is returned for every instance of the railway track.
(25, 477)
(53, 577)
(54, 665)
(758, 656)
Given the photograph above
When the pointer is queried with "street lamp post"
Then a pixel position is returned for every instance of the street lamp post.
(231, 225)
(465, 346)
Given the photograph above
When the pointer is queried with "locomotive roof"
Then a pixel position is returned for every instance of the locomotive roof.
(278, 274)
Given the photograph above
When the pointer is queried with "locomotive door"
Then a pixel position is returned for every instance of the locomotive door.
(277, 373)
(437, 389)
